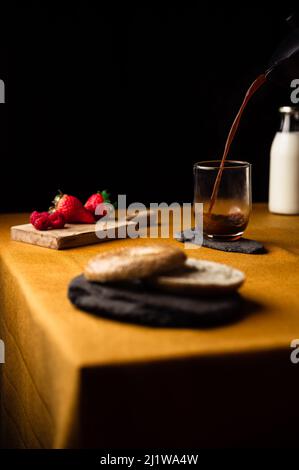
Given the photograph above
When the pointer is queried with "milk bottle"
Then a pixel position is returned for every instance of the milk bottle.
(284, 164)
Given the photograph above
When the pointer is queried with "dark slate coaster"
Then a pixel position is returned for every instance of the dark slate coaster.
(243, 245)
(137, 303)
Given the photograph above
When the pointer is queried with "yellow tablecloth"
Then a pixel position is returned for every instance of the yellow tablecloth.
(72, 379)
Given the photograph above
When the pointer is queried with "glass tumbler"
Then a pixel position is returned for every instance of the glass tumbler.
(226, 199)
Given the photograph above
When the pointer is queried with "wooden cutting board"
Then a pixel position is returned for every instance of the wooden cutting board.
(73, 235)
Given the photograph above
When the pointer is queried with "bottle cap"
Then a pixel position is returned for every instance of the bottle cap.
(289, 109)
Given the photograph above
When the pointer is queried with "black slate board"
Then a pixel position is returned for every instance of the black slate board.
(137, 303)
(243, 245)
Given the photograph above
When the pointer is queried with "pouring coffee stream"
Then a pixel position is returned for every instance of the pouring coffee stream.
(258, 82)
(282, 69)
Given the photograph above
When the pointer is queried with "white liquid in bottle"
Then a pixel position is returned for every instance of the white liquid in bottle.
(284, 165)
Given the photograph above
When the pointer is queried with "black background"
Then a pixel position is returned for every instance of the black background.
(129, 98)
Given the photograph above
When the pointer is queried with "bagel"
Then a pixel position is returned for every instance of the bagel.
(200, 277)
(133, 262)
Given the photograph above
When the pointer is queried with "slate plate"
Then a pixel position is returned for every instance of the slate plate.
(137, 303)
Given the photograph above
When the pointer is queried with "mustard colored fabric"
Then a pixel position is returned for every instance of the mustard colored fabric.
(52, 349)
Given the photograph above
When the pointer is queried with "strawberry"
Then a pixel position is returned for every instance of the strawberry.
(84, 217)
(93, 201)
(72, 209)
(97, 200)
